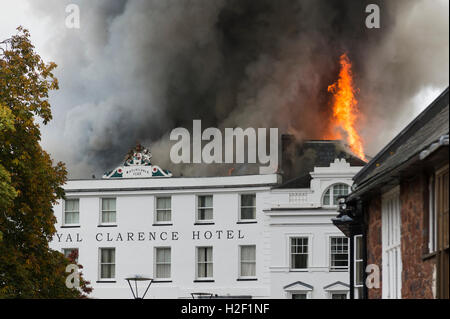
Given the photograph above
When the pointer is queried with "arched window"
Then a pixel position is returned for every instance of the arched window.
(333, 192)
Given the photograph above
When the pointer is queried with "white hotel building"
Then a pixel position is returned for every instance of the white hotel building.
(247, 236)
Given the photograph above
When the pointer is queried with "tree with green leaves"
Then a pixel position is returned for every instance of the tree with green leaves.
(30, 183)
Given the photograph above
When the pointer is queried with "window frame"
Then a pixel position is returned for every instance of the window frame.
(289, 294)
(391, 244)
(240, 276)
(155, 219)
(338, 292)
(64, 223)
(156, 263)
(306, 293)
(309, 253)
(105, 279)
(197, 263)
(101, 223)
(331, 189)
(240, 219)
(332, 268)
(197, 210)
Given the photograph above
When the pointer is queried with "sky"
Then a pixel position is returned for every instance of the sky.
(136, 69)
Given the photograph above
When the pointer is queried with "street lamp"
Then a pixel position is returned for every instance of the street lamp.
(135, 279)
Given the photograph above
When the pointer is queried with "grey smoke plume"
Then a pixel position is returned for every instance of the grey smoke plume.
(137, 69)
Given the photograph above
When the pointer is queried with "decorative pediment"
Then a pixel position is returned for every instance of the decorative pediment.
(298, 286)
(337, 286)
(137, 165)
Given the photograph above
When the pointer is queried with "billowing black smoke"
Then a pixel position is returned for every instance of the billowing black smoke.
(137, 69)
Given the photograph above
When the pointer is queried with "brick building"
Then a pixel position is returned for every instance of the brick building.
(397, 213)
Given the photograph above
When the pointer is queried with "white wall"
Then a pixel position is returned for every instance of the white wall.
(280, 214)
(318, 229)
(135, 213)
(299, 213)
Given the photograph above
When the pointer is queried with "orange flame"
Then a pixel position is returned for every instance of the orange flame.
(345, 108)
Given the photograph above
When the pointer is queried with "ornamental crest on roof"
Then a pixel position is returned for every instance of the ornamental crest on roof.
(139, 156)
(137, 165)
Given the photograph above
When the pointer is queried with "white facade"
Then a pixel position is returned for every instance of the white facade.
(230, 254)
(300, 213)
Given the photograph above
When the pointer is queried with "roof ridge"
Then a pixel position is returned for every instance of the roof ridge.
(434, 103)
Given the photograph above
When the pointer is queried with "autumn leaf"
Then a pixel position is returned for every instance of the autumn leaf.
(30, 183)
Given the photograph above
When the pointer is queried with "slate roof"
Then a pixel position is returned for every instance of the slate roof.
(326, 151)
(298, 182)
(310, 154)
(425, 129)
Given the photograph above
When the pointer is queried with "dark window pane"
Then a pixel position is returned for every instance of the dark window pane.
(205, 214)
(248, 213)
(339, 296)
(359, 273)
(163, 203)
(359, 247)
(299, 261)
(326, 198)
(248, 200)
(205, 201)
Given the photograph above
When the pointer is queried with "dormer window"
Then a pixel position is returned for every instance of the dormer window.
(333, 192)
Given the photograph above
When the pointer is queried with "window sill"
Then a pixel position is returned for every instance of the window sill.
(204, 223)
(106, 225)
(70, 226)
(162, 224)
(247, 279)
(106, 281)
(429, 256)
(157, 281)
(299, 270)
(247, 222)
(204, 280)
(338, 270)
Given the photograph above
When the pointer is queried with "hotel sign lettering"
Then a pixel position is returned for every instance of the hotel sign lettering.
(226, 234)
(136, 172)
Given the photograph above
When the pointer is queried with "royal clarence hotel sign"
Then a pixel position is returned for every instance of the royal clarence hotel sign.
(226, 234)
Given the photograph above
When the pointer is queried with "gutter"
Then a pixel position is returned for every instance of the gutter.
(443, 141)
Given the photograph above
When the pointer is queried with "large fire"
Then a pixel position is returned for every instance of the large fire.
(345, 109)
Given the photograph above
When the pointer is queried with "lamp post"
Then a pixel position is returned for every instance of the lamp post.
(135, 280)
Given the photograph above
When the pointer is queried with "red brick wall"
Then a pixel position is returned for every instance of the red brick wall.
(374, 240)
(417, 273)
